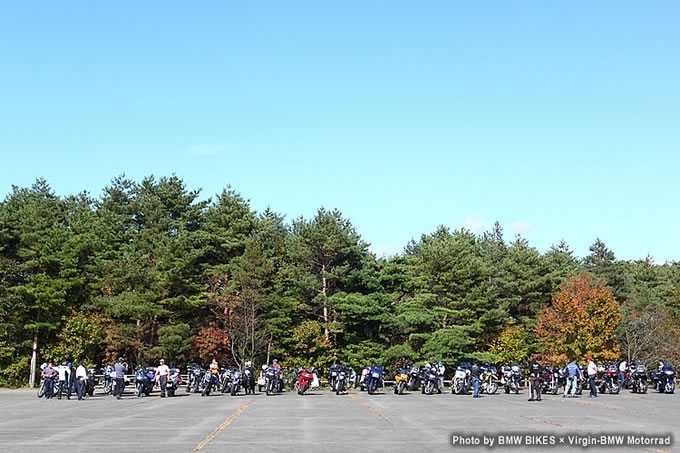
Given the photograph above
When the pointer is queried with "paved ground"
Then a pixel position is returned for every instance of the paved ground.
(321, 421)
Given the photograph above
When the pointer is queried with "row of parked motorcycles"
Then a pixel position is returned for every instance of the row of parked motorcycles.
(223, 380)
(551, 379)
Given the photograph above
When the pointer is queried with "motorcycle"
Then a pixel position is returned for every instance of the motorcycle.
(248, 379)
(304, 381)
(144, 380)
(374, 379)
(550, 380)
(664, 379)
(610, 380)
(414, 378)
(488, 380)
(174, 381)
(431, 381)
(638, 378)
(461, 382)
(109, 377)
(401, 381)
(92, 381)
(211, 378)
(512, 378)
(341, 379)
(235, 382)
(225, 379)
(332, 376)
(194, 376)
(272, 384)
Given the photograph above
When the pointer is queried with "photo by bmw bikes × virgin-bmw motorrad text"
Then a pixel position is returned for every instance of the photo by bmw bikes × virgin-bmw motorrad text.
(664, 379)
(401, 381)
(194, 376)
(144, 380)
(461, 382)
(373, 380)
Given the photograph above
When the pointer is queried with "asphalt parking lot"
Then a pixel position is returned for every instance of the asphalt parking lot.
(322, 421)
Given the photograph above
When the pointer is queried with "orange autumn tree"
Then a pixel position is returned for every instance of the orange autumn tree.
(581, 321)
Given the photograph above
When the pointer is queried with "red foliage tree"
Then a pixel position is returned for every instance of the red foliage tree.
(581, 321)
(211, 342)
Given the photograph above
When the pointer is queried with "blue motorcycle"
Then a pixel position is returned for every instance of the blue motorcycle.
(144, 380)
(374, 378)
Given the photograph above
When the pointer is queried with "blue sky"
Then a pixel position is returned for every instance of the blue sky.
(558, 119)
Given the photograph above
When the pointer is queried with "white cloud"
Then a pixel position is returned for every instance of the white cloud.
(523, 226)
(475, 223)
(208, 149)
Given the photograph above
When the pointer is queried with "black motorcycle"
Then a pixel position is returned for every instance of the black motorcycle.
(332, 376)
(272, 381)
(109, 378)
(610, 380)
(248, 379)
(174, 381)
(194, 376)
(92, 381)
(341, 379)
(638, 378)
(414, 378)
(664, 379)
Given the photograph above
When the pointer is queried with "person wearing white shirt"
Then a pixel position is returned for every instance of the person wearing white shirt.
(81, 380)
(64, 372)
(162, 376)
(592, 372)
(623, 367)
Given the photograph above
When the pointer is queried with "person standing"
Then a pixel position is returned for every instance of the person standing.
(623, 368)
(49, 374)
(119, 371)
(441, 369)
(592, 373)
(81, 380)
(64, 372)
(535, 370)
(572, 372)
(162, 376)
(475, 372)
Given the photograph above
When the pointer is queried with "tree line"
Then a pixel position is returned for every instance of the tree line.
(148, 270)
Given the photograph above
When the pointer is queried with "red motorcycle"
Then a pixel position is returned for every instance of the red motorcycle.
(304, 381)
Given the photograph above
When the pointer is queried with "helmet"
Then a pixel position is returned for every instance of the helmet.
(264, 367)
(275, 361)
(440, 362)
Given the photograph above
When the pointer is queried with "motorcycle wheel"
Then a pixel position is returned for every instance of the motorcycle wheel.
(401, 388)
(614, 389)
(643, 387)
(428, 388)
(507, 389)
(670, 387)
(555, 389)
(189, 387)
(41, 391)
(234, 390)
(268, 389)
(171, 392)
(139, 390)
(493, 388)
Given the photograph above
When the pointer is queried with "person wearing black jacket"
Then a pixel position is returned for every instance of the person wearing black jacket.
(535, 370)
(475, 372)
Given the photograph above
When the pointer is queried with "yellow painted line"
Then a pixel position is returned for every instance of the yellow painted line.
(584, 403)
(145, 401)
(222, 426)
(584, 432)
(370, 408)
